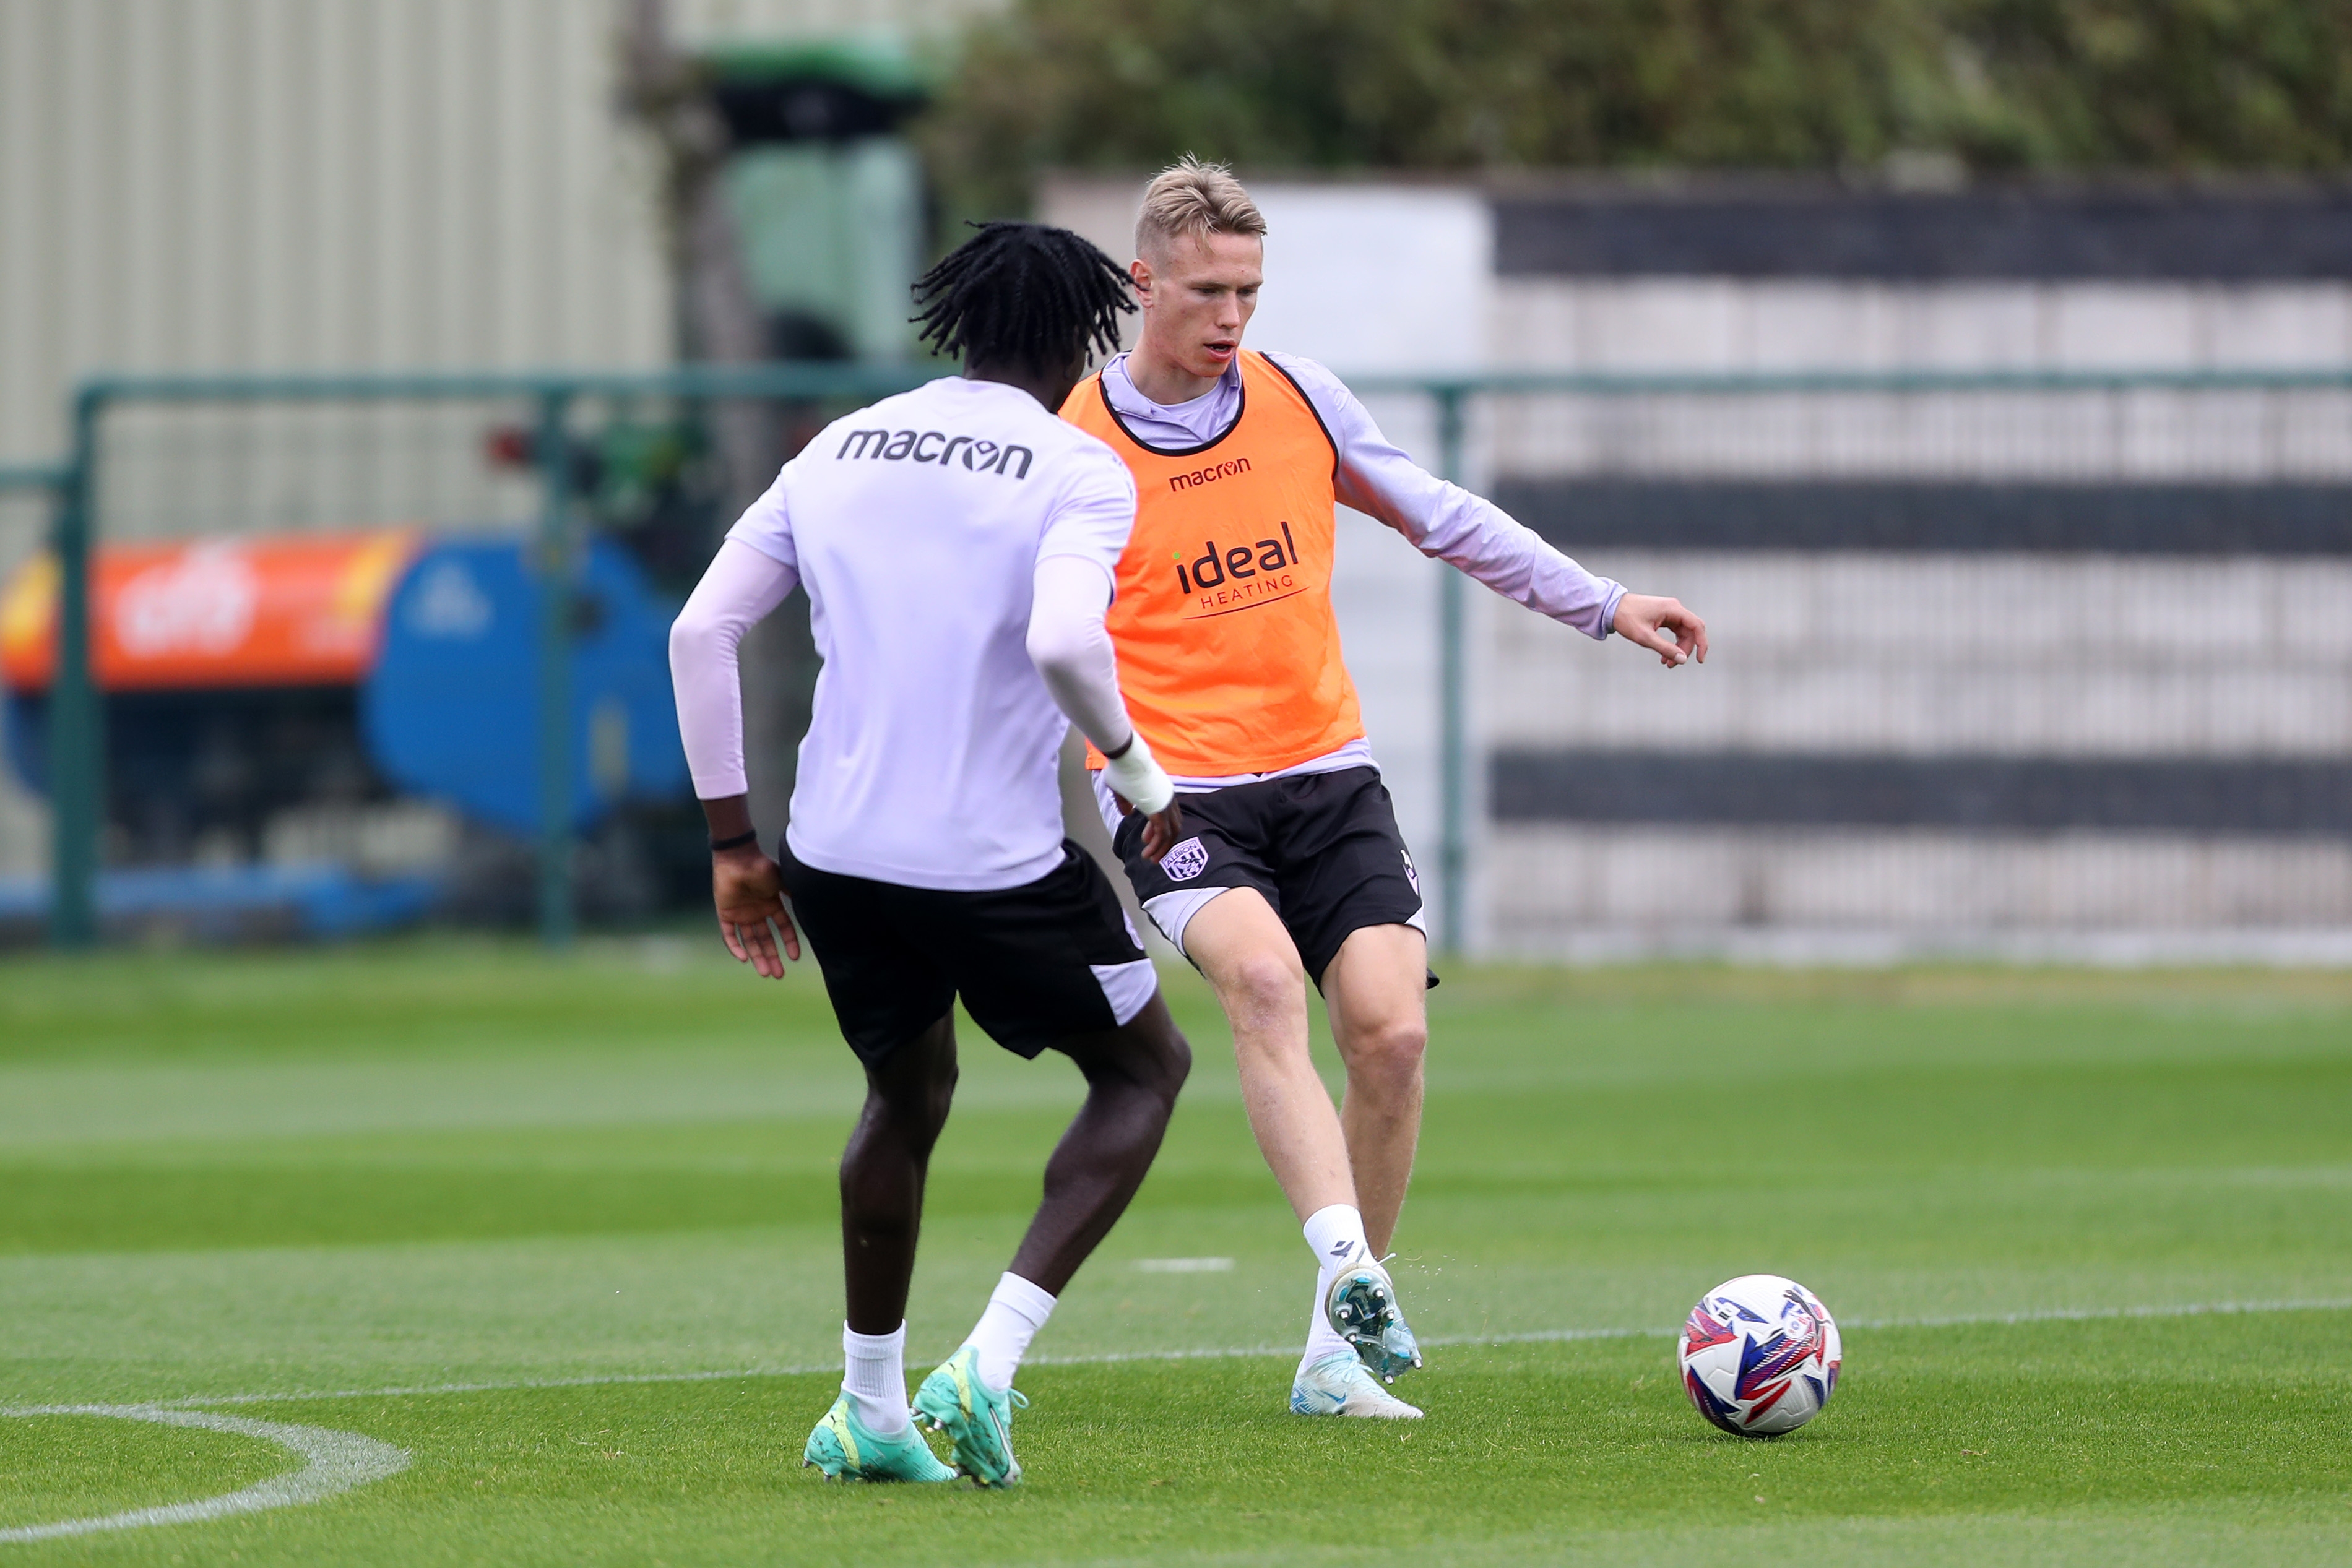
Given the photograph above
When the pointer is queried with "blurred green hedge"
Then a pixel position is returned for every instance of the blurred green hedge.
(2176, 86)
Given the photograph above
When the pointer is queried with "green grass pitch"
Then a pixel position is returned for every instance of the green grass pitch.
(563, 1231)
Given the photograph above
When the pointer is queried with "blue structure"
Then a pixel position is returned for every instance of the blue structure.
(451, 709)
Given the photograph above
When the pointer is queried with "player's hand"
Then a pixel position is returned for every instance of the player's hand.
(1162, 831)
(1662, 625)
(748, 890)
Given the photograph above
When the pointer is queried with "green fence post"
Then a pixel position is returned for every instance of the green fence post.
(1453, 698)
(76, 738)
(557, 596)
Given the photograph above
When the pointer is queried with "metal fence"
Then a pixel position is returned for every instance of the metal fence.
(169, 455)
(1901, 568)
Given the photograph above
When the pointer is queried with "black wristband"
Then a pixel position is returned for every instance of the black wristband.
(736, 843)
(1126, 747)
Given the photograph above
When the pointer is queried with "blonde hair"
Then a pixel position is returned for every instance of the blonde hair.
(1190, 197)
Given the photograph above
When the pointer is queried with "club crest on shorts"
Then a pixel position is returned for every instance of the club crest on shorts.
(1186, 861)
(1411, 875)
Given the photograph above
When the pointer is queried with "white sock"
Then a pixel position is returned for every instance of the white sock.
(1016, 1310)
(1322, 1338)
(1336, 1236)
(876, 1378)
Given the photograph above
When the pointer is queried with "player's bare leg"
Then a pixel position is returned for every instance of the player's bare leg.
(1132, 1073)
(1247, 957)
(1375, 992)
(883, 1171)
(868, 1434)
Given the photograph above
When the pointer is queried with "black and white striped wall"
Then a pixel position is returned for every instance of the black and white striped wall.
(2063, 672)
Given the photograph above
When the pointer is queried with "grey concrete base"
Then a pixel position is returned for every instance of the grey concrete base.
(1869, 947)
(1657, 887)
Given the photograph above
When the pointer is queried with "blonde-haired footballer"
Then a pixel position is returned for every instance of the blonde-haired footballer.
(1229, 661)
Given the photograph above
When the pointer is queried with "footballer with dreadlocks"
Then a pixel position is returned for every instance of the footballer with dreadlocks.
(958, 544)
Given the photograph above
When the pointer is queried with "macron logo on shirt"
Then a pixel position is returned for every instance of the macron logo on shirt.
(900, 446)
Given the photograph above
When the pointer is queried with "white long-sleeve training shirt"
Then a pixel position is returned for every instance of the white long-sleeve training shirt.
(1375, 477)
(924, 528)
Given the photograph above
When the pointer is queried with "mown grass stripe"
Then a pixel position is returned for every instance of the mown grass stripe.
(1232, 1352)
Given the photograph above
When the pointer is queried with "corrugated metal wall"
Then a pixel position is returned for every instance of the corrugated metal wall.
(266, 184)
(226, 184)
(284, 184)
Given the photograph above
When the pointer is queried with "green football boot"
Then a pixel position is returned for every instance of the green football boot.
(844, 1450)
(976, 1418)
(1363, 1307)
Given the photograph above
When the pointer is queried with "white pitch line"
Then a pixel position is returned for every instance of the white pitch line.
(1233, 1352)
(602, 1380)
(337, 1461)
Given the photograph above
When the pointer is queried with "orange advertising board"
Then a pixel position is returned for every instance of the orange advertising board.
(292, 611)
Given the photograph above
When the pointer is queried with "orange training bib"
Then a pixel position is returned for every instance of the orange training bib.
(1228, 648)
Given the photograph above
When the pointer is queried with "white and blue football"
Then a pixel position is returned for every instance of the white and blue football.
(1760, 1355)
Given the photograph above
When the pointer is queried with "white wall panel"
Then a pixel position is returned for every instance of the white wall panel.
(2131, 435)
(1569, 884)
(1738, 324)
(2065, 656)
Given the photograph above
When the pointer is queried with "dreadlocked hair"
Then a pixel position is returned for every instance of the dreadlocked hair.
(1022, 294)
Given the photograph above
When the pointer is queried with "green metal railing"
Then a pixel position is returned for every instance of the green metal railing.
(76, 748)
(77, 752)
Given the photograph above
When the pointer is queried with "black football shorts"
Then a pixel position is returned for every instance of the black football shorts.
(1323, 849)
(1033, 964)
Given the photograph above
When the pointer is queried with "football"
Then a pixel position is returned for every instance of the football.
(1759, 1355)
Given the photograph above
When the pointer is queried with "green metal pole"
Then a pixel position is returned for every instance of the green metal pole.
(556, 592)
(77, 727)
(1454, 700)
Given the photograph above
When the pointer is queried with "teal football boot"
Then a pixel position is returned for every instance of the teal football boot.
(844, 1450)
(1363, 1307)
(975, 1418)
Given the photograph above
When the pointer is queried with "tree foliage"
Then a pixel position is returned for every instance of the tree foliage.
(2168, 85)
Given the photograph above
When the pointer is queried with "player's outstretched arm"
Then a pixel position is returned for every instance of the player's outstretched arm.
(742, 585)
(1072, 650)
(1663, 626)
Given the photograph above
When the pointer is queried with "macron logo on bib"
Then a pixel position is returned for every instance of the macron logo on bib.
(1186, 861)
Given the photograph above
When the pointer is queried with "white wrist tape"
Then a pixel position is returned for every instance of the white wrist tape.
(1135, 774)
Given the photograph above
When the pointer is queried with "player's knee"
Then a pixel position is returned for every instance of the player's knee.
(1389, 1053)
(1263, 986)
(914, 1112)
(1171, 1065)
(938, 1100)
(1155, 1057)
